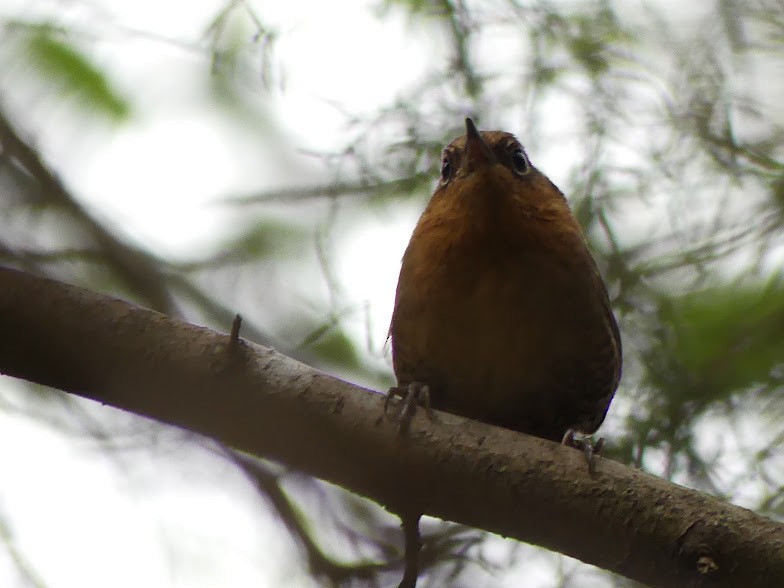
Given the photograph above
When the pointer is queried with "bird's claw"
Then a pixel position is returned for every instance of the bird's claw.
(413, 394)
(589, 449)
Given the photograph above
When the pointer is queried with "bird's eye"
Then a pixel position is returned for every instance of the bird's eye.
(446, 168)
(519, 160)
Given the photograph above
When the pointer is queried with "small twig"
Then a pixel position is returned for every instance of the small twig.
(268, 484)
(235, 331)
(413, 544)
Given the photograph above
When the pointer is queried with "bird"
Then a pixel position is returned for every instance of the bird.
(500, 313)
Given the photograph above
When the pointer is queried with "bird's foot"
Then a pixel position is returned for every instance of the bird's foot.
(415, 393)
(586, 445)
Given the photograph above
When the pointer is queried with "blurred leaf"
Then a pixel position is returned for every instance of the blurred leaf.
(331, 345)
(413, 7)
(777, 193)
(590, 51)
(588, 37)
(547, 74)
(729, 338)
(61, 64)
(265, 238)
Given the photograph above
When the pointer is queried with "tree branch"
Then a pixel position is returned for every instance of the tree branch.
(256, 400)
(320, 564)
(137, 268)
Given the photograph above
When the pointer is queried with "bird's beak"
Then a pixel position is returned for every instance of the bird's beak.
(476, 152)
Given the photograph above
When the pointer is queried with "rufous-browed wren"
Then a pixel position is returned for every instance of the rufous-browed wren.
(501, 314)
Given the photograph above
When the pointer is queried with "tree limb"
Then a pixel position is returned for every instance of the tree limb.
(320, 564)
(258, 401)
(138, 269)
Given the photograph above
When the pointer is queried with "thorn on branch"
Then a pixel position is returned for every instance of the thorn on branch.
(234, 338)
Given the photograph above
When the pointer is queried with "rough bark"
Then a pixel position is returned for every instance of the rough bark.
(262, 402)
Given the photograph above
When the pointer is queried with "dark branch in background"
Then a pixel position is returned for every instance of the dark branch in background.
(335, 190)
(31, 258)
(217, 312)
(150, 278)
(413, 544)
(25, 568)
(139, 270)
(458, 20)
(320, 564)
(260, 402)
(447, 548)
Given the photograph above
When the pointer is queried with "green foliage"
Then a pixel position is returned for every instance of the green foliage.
(728, 339)
(332, 346)
(73, 74)
(589, 38)
(264, 238)
(413, 7)
(777, 194)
